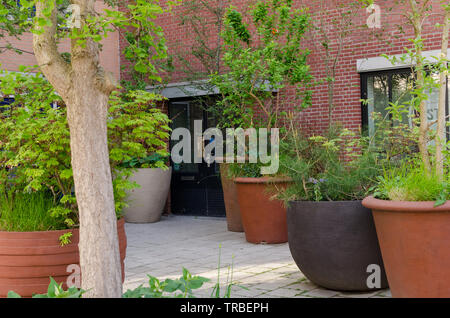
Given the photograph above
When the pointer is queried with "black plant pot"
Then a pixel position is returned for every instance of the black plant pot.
(333, 243)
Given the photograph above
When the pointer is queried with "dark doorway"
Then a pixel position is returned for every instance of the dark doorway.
(196, 187)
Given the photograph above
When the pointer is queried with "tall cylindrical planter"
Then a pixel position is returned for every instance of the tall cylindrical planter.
(415, 242)
(263, 217)
(28, 259)
(335, 245)
(234, 221)
(146, 203)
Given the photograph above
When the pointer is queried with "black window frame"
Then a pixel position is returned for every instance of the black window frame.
(364, 91)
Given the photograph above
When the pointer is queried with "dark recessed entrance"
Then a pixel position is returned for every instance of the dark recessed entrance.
(196, 188)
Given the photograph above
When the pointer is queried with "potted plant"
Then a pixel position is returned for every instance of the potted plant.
(261, 59)
(138, 138)
(38, 208)
(36, 244)
(331, 234)
(410, 207)
(146, 203)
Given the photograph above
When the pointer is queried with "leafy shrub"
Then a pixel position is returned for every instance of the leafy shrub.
(174, 288)
(55, 290)
(334, 167)
(35, 141)
(260, 58)
(153, 161)
(137, 131)
(404, 177)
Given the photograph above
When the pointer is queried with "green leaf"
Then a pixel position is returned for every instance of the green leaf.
(12, 294)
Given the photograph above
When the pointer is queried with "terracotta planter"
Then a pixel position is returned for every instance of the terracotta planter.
(264, 220)
(146, 204)
(234, 221)
(28, 259)
(333, 243)
(415, 243)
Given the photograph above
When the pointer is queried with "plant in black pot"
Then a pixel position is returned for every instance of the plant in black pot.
(331, 236)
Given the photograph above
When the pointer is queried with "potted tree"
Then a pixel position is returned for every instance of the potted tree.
(331, 234)
(138, 136)
(410, 207)
(38, 210)
(261, 59)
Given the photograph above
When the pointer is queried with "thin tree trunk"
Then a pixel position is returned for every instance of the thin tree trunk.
(440, 129)
(416, 19)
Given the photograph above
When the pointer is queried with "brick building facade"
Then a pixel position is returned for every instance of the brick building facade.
(360, 73)
(358, 52)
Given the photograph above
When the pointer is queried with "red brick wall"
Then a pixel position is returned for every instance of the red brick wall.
(362, 43)
(109, 57)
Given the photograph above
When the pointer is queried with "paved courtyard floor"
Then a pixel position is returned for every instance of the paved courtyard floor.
(162, 249)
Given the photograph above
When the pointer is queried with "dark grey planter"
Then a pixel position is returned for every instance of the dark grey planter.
(333, 243)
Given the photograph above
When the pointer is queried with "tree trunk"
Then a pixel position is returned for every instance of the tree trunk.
(440, 129)
(416, 19)
(85, 88)
(99, 248)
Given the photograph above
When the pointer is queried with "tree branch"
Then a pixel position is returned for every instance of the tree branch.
(53, 66)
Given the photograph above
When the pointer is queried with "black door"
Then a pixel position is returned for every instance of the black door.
(196, 188)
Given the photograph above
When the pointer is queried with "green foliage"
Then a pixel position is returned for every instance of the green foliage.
(138, 131)
(170, 288)
(261, 58)
(216, 291)
(173, 288)
(55, 290)
(146, 45)
(35, 141)
(28, 212)
(182, 287)
(409, 181)
(245, 170)
(13, 23)
(153, 161)
(65, 239)
(321, 170)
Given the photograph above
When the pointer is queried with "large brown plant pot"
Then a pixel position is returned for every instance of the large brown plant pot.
(263, 218)
(234, 221)
(28, 259)
(333, 243)
(415, 243)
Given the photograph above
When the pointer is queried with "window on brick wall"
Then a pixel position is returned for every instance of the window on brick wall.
(379, 89)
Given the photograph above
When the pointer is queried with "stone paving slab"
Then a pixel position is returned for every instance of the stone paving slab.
(162, 249)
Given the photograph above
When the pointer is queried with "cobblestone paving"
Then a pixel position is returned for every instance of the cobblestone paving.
(162, 249)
